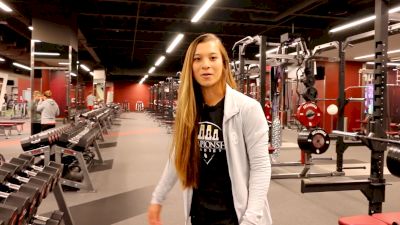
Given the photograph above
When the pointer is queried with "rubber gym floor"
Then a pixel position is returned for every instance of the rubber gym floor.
(136, 153)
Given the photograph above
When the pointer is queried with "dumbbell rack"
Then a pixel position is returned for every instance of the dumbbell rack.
(58, 194)
(86, 184)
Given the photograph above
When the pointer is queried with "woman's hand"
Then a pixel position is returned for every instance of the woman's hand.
(153, 214)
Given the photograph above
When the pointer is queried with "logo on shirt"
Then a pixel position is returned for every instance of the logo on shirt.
(210, 141)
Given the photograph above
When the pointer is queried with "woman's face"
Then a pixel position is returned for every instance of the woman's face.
(207, 64)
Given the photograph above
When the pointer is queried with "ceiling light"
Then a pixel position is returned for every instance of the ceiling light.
(63, 63)
(202, 10)
(269, 51)
(30, 28)
(21, 66)
(5, 7)
(394, 10)
(2, 59)
(91, 73)
(372, 55)
(73, 74)
(352, 24)
(36, 41)
(160, 60)
(151, 70)
(361, 21)
(389, 63)
(174, 43)
(84, 67)
(47, 53)
(146, 76)
(364, 56)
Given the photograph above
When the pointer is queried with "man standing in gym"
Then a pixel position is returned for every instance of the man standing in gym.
(49, 111)
(220, 145)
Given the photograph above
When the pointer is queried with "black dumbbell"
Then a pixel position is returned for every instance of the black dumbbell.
(8, 214)
(20, 201)
(16, 170)
(9, 178)
(30, 190)
(26, 161)
(55, 219)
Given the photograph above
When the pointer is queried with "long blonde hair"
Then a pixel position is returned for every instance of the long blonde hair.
(190, 99)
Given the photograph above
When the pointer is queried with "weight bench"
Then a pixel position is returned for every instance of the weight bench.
(390, 218)
(11, 125)
(5, 128)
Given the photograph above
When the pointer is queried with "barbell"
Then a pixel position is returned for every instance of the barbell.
(393, 156)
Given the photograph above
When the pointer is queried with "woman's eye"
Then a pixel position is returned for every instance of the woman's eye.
(196, 59)
(213, 58)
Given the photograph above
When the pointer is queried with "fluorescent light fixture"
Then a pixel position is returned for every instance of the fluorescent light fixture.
(83, 66)
(353, 24)
(372, 55)
(269, 51)
(5, 7)
(394, 10)
(146, 76)
(21, 66)
(91, 73)
(63, 63)
(36, 41)
(2, 59)
(361, 21)
(159, 60)
(151, 70)
(47, 53)
(202, 10)
(174, 43)
(364, 56)
(389, 63)
(30, 28)
(142, 80)
(73, 74)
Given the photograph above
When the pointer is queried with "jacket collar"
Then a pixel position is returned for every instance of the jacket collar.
(230, 106)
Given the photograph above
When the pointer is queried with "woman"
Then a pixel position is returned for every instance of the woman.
(49, 111)
(220, 144)
(36, 126)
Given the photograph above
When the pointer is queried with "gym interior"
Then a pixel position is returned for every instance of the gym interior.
(326, 73)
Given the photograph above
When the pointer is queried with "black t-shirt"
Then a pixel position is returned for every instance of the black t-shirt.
(212, 202)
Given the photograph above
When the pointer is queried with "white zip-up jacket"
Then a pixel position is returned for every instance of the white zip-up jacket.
(49, 111)
(245, 132)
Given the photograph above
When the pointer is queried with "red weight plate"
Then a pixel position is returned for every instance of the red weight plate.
(267, 111)
(308, 114)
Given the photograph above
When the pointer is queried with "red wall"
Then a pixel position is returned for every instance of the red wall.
(131, 92)
(330, 86)
(58, 85)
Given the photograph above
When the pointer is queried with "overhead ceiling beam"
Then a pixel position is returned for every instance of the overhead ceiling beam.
(186, 20)
(82, 40)
(170, 32)
(195, 6)
(291, 10)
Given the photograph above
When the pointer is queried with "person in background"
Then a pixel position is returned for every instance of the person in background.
(220, 145)
(36, 125)
(49, 111)
(90, 99)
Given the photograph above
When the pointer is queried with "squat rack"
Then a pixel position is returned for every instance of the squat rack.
(374, 187)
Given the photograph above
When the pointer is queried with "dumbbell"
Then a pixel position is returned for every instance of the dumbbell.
(52, 168)
(21, 202)
(29, 190)
(42, 180)
(48, 173)
(55, 219)
(8, 214)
